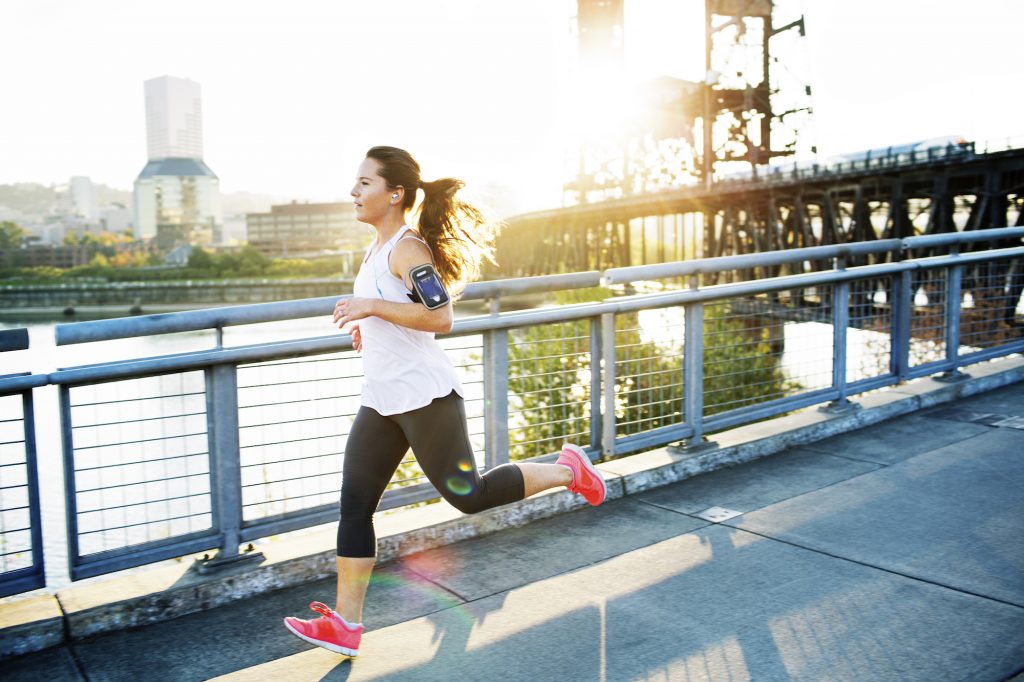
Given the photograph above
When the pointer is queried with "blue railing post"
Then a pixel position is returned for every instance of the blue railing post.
(596, 353)
(693, 374)
(15, 388)
(902, 310)
(35, 520)
(225, 466)
(70, 495)
(840, 326)
(495, 352)
(954, 279)
(33, 576)
(608, 384)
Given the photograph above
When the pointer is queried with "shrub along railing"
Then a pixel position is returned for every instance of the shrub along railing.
(178, 454)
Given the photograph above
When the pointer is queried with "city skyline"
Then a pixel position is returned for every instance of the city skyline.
(486, 91)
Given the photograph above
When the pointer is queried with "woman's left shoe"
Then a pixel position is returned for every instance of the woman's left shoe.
(331, 632)
(586, 479)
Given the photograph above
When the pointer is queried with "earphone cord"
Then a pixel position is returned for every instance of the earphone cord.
(371, 254)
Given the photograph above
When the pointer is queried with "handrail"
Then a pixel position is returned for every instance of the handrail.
(22, 381)
(766, 258)
(518, 319)
(214, 318)
(13, 339)
(747, 260)
(949, 238)
(218, 318)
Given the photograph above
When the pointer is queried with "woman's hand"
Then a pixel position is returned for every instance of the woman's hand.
(351, 309)
(357, 337)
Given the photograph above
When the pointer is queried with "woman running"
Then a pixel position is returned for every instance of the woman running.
(411, 394)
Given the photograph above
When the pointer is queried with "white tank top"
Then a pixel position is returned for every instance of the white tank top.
(403, 369)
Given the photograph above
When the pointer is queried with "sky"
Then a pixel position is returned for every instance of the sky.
(295, 92)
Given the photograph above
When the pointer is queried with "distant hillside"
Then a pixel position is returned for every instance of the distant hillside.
(28, 197)
(34, 199)
(108, 195)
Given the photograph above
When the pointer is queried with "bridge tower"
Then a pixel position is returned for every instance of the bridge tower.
(752, 115)
(600, 62)
(735, 106)
(737, 112)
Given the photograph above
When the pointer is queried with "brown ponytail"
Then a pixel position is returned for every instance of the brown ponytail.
(458, 233)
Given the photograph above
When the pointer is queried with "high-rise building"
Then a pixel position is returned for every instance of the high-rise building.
(174, 118)
(177, 196)
(83, 197)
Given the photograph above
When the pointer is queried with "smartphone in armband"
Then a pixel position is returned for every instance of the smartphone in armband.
(427, 284)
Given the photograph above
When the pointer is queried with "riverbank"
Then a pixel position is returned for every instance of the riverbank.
(146, 297)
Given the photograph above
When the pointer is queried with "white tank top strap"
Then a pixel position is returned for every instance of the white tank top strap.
(404, 234)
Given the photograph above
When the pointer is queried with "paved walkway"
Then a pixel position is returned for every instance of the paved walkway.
(891, 553)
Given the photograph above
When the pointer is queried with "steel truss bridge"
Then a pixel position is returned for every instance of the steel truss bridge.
(891, 193)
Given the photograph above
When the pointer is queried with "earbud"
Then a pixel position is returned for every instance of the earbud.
(395, 196)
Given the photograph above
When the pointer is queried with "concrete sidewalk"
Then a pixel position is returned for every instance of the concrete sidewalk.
(895, 552)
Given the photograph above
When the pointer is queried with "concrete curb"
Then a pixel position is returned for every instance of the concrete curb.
(133, 600)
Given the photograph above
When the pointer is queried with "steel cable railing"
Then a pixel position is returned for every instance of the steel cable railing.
(177, 454)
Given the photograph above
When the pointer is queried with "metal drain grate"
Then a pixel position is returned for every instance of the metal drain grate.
(718, 514)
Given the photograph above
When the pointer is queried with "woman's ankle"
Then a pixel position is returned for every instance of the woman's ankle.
(351, 619)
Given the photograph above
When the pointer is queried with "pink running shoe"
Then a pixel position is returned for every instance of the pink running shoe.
(586, 479)
(332, 632)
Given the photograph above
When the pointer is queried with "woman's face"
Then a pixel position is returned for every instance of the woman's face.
(370, 193)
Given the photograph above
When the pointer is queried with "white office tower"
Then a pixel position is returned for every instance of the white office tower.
(83, 197)
(177, 196)
(174, 119)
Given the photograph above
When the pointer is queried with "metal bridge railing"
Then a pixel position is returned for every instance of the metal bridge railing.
(888, 159)
(179, 454)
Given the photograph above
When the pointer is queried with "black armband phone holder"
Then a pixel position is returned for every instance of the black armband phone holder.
(426, 283)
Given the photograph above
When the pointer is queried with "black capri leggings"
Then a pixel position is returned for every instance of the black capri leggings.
(440, 442)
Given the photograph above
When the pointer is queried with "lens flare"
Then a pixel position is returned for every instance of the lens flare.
(459, 486)
(465, 465)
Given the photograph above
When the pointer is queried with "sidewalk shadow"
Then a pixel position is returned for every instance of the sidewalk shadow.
(721, 603)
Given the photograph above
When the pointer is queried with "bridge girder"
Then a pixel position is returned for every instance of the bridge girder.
(967, 192)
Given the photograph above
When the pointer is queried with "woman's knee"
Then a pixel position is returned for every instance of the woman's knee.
(470, 503)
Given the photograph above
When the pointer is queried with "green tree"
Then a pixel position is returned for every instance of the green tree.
(11, 235)
(251, 263)
(200, 259)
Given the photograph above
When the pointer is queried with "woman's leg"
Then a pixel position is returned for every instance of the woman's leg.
(374, 449)
(538, 477)
(353, 580)
(439, 438)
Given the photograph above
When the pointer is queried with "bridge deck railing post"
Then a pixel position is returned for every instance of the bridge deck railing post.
(902, 311)
(495, 359)
(954, 280)
(608, 425)
(596, 355)
(225, 466)
(840, 327)
(693, 372)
